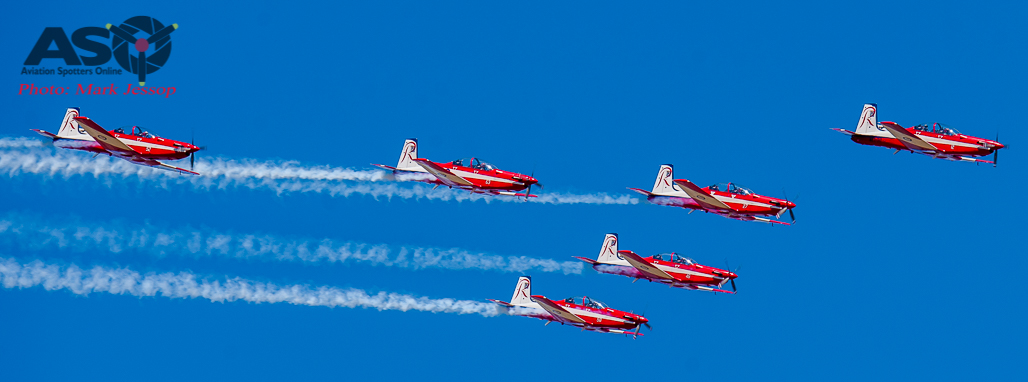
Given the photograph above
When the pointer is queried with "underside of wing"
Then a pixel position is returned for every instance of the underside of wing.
(104, 138)
(557, 311)
(448, 178)
(908, 139)
(644, 266)
(168, 167)
(704, 199)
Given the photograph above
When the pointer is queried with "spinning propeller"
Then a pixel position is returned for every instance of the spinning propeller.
(791, 214)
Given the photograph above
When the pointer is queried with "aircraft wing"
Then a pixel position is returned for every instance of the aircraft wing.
(104, 138)
(164, 166)
(908, 139)
(704, 199)
(448, 178)
(558, 312)
(644, 266)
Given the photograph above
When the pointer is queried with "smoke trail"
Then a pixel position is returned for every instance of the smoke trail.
(66, 164)
(187, 285)
(31, 232)
(19, 143)
(280, 177)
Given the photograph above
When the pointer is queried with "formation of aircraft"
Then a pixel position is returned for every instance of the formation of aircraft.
(730, 200)
(583, 312)
(667, 268)
(726, 199)
(130, 143)
(472, 174)
(933, 139)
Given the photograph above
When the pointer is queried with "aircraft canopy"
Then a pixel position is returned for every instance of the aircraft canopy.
(585, 300)
(674, 258)
(135, 131)
(474, 163)
(937, 128)
(732, 188)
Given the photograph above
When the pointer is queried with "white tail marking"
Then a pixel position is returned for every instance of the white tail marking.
(522, 292)
(70, 128)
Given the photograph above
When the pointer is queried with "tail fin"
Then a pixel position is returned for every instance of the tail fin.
(665, 183)
(69, 127)
(868, 123)
(410, 151)
(609, 250)
(522, 292)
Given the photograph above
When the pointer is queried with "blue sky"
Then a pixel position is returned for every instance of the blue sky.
(900, 266)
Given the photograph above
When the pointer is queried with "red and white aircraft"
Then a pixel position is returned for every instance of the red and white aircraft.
(932, 139)
(470, 174)
(667, 268)
(130, 143)
(726, 199)
(582, 312)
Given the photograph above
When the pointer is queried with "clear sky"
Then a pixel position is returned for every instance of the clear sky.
(899, 267)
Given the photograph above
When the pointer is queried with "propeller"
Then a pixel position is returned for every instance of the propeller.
(792, 215)
(728, 268)
(192, 155)
(528, 191)
(995, 153)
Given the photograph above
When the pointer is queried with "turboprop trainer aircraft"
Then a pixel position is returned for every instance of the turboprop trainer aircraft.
(932, 139)
(582, 312)
(470, 174)
(726, 199)
(131, 143)
(667, 268)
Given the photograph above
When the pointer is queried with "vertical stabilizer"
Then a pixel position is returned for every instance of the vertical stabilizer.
(609, 250)
(868, 123)
(665, 183)
(407, 156)
(70, 128)
(523, 292)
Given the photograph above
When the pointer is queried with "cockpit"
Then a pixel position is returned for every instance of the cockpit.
(731, 188)
(474, 163)
(674, 258)
(588, 302)
(937, 128)
(134, 131)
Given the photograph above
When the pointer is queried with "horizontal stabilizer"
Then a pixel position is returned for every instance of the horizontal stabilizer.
(644, 192)
(384, 167)
(506, 304)
(844, 131)
(45, 133)
(588, 260)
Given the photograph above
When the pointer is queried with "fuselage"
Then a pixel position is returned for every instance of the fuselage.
(154, 148)
(955, 145)
(595, 318)
(484, 177)
(685, 274)
(751, 204)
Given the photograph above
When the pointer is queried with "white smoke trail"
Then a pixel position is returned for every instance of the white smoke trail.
(19, 143)
(187, 285)
(280, 177)
(30, 232)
